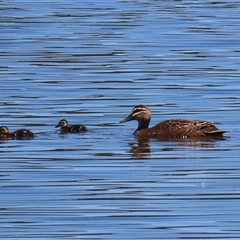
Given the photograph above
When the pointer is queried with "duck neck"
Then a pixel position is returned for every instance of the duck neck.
(143, 125)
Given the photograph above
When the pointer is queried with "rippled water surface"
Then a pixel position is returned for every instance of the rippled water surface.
(91, 62)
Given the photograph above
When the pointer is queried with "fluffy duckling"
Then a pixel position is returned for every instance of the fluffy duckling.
(173, 128)
(73, 128)
(21, 133)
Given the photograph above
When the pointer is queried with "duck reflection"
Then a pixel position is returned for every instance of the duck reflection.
(193, 140)
(142, 147)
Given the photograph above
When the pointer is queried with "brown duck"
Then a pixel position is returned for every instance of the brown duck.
(65, 128)
(21, 133)
(173, 128)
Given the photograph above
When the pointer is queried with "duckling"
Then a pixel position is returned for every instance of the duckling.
(173, 128)
(73, 128)
(21, 133)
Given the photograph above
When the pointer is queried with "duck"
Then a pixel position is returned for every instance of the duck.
(173, 128)
(63, 123)
(21, 133)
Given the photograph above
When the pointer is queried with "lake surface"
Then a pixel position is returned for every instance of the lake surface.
(91, 62)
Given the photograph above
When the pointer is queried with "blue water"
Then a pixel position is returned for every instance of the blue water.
(91, 62)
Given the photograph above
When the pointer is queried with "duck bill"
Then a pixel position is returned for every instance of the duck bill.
(129, 118)
(58, 125)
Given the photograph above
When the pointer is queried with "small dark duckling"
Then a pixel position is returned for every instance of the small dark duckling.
(73, 128)
(173, 128)
(19, 134)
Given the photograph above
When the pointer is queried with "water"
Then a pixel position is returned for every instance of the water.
(91, 63)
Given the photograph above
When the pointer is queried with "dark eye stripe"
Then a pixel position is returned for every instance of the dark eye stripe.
(137, 110)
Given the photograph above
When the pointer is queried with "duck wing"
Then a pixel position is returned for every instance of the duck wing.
(77, 128)
(186, 128)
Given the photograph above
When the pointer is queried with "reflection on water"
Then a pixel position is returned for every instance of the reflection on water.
(142, 147)
(89, 62)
